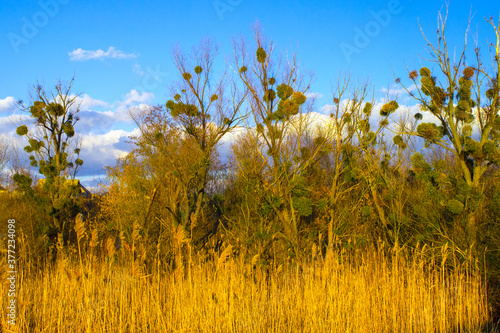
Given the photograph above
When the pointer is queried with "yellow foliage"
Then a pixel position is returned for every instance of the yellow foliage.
(357, 292)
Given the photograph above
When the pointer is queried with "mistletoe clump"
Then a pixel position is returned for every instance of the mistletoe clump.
(493, 94)
(269, 95)
(289, 103)
(419, 165)
(388, 108)
(368, 109)
(261, 55)
(364, 125)
(473, 148)
(303, 206)
(180, 108)
(492, 151)
(284, 91)
(22, 130)
(370, 139)
(398, 141)
(437, 94)
(465, 102)
(455, 206)
(430, 132)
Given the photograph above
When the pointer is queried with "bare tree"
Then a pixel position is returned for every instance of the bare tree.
(52, 148)
(282, 134)
(204, 108)
(464, 100)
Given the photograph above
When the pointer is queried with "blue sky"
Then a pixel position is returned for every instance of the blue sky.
(120, 51)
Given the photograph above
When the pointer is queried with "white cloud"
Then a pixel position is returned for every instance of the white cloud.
(99, 150)
(117, 113)
(86, 103)
(135, 96)
(313, 95)
(8, 125)
(104, 128)
(397, 90)
(97, 121)
(327, 109)
(111, 53)
(405, 113)
(103, 143)
(7, 104)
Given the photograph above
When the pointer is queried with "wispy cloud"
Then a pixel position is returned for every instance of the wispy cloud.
(397, 91)
(314, 95)
(111, 53)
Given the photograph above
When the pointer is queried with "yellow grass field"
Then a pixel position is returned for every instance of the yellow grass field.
(363, 291)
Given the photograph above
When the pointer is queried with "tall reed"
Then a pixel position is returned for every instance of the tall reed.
(357, 291)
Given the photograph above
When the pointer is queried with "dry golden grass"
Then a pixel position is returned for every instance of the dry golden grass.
(364, 291)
